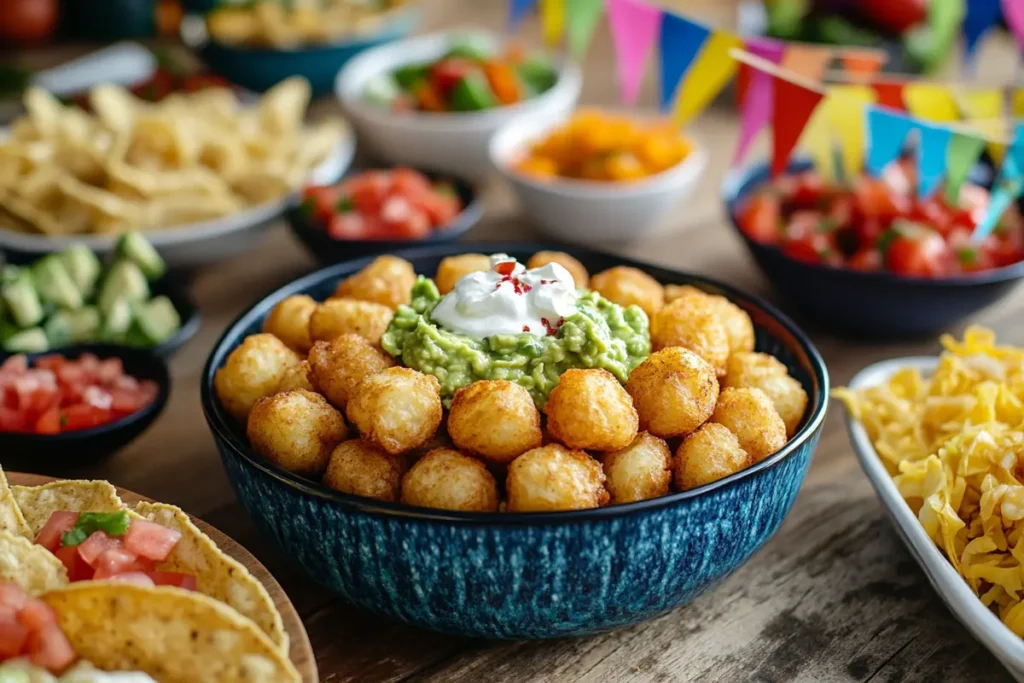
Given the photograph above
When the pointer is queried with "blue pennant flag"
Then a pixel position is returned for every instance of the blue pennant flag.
(517, 11)
(981, 15)
(887, 132)
(931, 157)
(680, 41)
(1008, 186)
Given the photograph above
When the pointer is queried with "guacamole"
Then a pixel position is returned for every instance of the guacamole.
(600, 334)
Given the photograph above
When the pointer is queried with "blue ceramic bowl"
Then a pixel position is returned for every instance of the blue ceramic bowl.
(866, 304)
(526, 575)
(260, 69)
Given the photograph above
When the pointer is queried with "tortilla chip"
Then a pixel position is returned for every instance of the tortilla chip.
(31, 566)
(11, 518)
(217, 574)
(37, 503)
(173, 635)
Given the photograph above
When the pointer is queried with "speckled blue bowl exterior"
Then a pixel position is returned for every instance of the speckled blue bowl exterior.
(514, 576)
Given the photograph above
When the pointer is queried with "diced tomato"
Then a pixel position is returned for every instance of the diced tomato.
(349, 226)
(119, 561)
(77, 568)
(368, 190)
(36, 614)
(138, 578)
(13, 420)
(49, 422)
(428, 97)
(150, 540)
(52, 362)
(876, 200)
(441, 209)
(109, 370)
(59, 523)
(446, 74)
(760, 218)
(323, 200)
(808, 191)
(94, 546)
(14, 366)
(13, 636)
(89, 363)
(177, 579)
(49, 648)
(12, 596)
(926, 255)
(815, 248)
(803, 223)
(933, 213)
(409, 182)
(867, 259)
(126, 402)
(84, 416)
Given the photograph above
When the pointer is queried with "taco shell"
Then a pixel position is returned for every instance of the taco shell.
(174, 635)
(11, 518)
(37, 503)
(31, 566)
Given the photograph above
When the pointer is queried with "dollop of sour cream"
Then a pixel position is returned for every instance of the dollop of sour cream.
(508, 299)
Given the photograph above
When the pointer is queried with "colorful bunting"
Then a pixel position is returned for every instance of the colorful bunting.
(981, 16)
(680, 40)
(862, 65)
(931, 102)
(1017, 103)
(757, 104)
(711, 71)
(1008, 186)
(931, 158)
(887, 133)
(517, 11)
(890, 94)
(552, 19)
(634, 26)
(986, 105)
(961, 156)
(845, 114)
(582, 17)
(809, 61)
(1013, 13)
(792, 106)
(818, 143)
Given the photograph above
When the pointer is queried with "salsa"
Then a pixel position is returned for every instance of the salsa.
(402, 204)
(58, 394)
(29, 629)
(879, 224)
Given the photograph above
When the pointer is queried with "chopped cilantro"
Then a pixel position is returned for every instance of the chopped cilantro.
(344, 204)
(886, 239)
(306, 208)
(113, 523)
(828, 225)
(967, 256)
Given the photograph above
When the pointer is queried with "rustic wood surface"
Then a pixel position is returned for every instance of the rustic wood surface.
(301, 651)
(834, 596)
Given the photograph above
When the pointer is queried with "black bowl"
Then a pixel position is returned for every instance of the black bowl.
(48, 453)
(865, 304)
(326, 249)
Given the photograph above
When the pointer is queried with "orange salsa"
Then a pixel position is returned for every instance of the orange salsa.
(596, 145)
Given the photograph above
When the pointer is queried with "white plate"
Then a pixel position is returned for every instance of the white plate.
(954, 591)
(196, 244)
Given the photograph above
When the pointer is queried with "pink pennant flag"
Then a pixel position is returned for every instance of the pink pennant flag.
(757, 103)
(1013, 12)
(634, 25)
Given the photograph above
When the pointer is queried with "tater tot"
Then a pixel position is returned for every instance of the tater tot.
(252, 371)
(296, 430)
(449, 480)
(673, 292)
(674, 392)
(296, 377)
(495, 419)
(398, 409)
(751, 416)
(362, 469)
(554, 477)
(709, 454)
(388, 280)
(627, 286)
(336, 317)
(738, 325)
(337, 366)
(767, 373)
(589, 409)
(579, 273)
(289, 322)
(641, 470)
(453, 268)
(692, 323)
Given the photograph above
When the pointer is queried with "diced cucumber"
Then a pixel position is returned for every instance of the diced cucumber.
(537, 74)
(83, 266)
(473, 93)
(9, 273)
(157, 319)
(32, 340)
(22, 300)
(473, 47)
(124, 280)
(54, 283)
(58, 329)
(382, 91)
(85, 325)
(407, 76)
(117, 321)
(135, 248)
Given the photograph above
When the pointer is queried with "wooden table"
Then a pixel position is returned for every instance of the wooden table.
(834, 596)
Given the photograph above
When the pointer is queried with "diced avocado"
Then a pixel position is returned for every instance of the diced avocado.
(157, 320)
(9, 273)
(58, 329)
(54, 284)
(473, 47)
(32, 340)
(135, 248)
(382, 91)
(537, 74)
(22, 300)
(85, 325)
(124, 280)
(473, 93)
(83, 267)
(117, 321)
(408, 76)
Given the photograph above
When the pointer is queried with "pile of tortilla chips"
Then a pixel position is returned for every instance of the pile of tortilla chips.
(954, 444)
(135, 165)
(227, 630)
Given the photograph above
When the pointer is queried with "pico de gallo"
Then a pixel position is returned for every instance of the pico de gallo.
(112, 546)
(58, 394)
(879, 224)
(402, 204)
(29, 630)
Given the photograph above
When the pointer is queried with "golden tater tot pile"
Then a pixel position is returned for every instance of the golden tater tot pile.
(319, 397)
(596, 145)
(952, 443)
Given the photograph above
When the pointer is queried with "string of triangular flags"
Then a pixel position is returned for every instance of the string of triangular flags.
(849, 124)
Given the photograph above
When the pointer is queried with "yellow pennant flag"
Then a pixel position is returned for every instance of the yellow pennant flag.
(1017, 103)
(708, 74)
(843, 114)
(552, 19)
(986, 105)
(931, 102)
(818, 142)
(993, 128)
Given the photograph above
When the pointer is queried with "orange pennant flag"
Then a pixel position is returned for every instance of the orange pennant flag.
(862, 65)
(810, 61)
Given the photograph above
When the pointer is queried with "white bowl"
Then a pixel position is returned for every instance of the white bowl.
(954, 591)
(583, 211)
(194, 244)
(448, 142)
